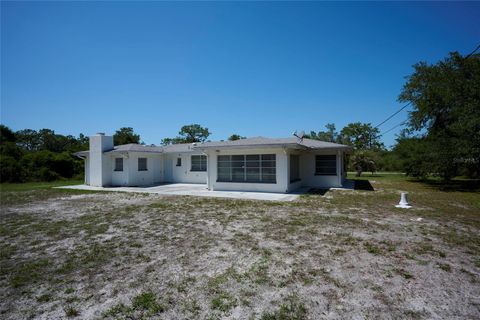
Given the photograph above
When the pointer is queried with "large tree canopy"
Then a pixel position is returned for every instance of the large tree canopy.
(235, 136)
(189, 134)
(361, 136)
(125, 135)
(330, 135)
(446, 113)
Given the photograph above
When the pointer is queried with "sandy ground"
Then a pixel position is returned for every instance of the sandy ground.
(138, 256)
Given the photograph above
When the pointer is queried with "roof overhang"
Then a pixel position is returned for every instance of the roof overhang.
(252, 146)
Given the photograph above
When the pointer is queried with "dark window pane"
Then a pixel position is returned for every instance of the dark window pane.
(253, 157)
(269, 170)
(142, 164)
(238, 158)
(326, 165)
(268, 157)
(118, 164)
(238, 174)
(238, 164)
(268, 178)
(253, 164)
(199, 163)
(224, 174)
(224, 164)
(268, 164)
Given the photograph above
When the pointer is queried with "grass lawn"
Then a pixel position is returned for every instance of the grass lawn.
(339, 254)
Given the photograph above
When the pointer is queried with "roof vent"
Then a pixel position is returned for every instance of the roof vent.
(100, 133)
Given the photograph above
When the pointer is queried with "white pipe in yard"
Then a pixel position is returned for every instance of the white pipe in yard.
(403, 201)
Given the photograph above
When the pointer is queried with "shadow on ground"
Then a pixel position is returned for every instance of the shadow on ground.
(462, 185)
(316, 191)
(363, 185)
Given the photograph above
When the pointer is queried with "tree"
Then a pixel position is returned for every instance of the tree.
(361, 136)
(6, 134)
(235, 136)
(189, 134)
(28, 139)
(194, 133)
(416, 156)
(125, 135)
(10, 153)
(167, 141)
(331, 135)
(445, 98)
(363, 160)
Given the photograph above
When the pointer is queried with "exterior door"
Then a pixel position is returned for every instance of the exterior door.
(168, 169)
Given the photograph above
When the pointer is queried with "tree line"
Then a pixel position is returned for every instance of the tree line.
(44, 155)
(441, 137)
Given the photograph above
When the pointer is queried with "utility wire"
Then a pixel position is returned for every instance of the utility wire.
(398, 111)
(394, 127)
(378, 125)
(471, 53)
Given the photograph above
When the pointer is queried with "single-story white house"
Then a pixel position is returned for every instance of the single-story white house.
(254, 164)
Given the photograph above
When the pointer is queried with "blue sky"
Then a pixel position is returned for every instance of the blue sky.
(248, 68)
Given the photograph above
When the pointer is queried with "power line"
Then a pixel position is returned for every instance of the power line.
(394, 127)
(378, 125)
(471, 53)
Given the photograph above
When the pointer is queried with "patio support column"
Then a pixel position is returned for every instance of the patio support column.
(208, 170)
(339, 168)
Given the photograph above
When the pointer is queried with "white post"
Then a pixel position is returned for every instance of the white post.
(403, 201)
(339, 168)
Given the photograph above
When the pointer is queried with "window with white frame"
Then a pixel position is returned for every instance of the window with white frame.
(199, 163)
(118, 164)
(142, 164)
(326, 165)
(247, 168)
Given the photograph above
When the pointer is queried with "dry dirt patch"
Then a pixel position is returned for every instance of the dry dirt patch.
(124, 256)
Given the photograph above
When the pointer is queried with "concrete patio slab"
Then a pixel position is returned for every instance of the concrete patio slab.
(196, 190)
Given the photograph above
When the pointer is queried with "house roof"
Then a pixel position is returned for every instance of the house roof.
(133, 147)
(295, 143)
(292, 142)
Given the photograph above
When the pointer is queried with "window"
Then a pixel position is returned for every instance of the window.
(118, 164)
(199, 163)
(326, 165)
(179, 162)
(247, 168)
(294, 168)
(142, 164)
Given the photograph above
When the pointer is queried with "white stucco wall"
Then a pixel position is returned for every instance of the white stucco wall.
(183, 173)
(99, 164)
(153, 174)
(87, 170)
(281, 184)
(119, 178)
(307, 171)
